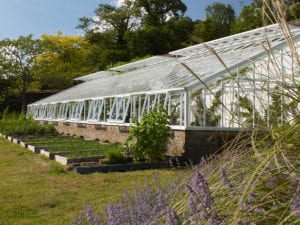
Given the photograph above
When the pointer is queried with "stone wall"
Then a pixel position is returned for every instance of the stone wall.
(188, 144)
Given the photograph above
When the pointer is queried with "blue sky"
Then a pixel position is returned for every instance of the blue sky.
(23, 17)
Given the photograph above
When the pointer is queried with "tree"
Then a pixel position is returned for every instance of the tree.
(112, 20)
(294, 10)
(136, 29)
(261, 13)
(5, 86)
(62, 59)
(157, 12)
(219, 19)
(249, 18)
(152, 40)
(106, 33)
(16, 62)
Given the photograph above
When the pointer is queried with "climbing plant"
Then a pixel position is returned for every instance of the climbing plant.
(212, 117)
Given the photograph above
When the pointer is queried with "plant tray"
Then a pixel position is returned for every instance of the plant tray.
(36, 149)
(66, 161)
(51, 155)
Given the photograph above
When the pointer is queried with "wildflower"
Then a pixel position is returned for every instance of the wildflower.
(200, 201)
(259, 210)
(177, 162)
(225, 179)
(172, 218)
(295, 202)
(92, 219)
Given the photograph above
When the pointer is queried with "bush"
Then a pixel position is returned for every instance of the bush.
(13, 124)
(148, 139)
(116, 156)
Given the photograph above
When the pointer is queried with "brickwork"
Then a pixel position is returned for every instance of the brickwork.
(103, 133)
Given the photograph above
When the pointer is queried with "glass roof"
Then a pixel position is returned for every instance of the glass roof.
(96, 75)
(160, 73)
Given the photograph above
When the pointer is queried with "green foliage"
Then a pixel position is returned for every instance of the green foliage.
(116, 156)
(6, 86)
(219, 19)
(158, 12)
(13, 124)
(248, 111)
(17, 60)
(294, 11)
(149, 138)
(62, 59)
(249, 18)
(212, 116)
(57, 169)
(275, 108)
(136, 29)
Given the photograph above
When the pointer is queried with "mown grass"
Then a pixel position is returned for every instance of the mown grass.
(36, 190)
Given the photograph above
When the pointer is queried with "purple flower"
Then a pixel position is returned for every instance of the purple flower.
(295, 201)
(259, 210)
(225, 179)
(251, 197)
(200, 201)
(171, 163)
(92, 219)
(78, 221)
(172, 218)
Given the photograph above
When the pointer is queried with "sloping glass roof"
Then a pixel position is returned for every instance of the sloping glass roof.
(96, 75)
(152, 61)
(152, 78)
(161, 73)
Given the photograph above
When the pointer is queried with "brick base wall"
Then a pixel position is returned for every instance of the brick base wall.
(187, 144)
(102, 133)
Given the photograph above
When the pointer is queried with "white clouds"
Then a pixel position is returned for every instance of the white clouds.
(120, 2)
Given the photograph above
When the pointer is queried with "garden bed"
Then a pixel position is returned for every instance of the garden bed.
(83, 156)
(65, 149)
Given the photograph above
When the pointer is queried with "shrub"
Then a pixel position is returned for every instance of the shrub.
(115, 157)
(148, 138)
(13, 124)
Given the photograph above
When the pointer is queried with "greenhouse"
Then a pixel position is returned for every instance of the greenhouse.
(225, 84)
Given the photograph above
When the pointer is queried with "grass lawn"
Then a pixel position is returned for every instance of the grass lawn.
(35, 190)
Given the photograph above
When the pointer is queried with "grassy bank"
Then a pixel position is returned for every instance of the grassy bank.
(35, 190)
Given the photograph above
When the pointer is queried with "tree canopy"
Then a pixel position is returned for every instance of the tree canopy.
(61, 60)
(17, 62)
(158, 12)
(218, 23)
